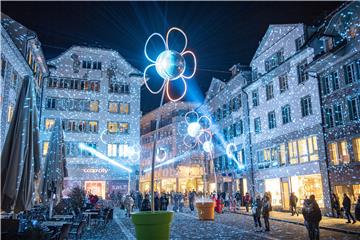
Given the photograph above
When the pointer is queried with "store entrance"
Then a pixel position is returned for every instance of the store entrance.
(285, 195)
(95, 188)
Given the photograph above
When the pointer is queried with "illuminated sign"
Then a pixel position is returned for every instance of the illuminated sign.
(95, 170)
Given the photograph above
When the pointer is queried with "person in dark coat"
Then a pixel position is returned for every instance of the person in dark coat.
(312, 217)
(192, 196)
(347, 208)
(266, 208)
(256, 212)
(163, 202)
(247, 201)
(157, 202)
(357, 209)
(145, 205)
(335, 205)
(293, 204)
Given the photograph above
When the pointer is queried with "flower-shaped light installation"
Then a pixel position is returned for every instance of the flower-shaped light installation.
(198, 131)
(170, 65)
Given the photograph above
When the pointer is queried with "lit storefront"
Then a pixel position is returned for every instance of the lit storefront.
(353, 191)
(273, 186)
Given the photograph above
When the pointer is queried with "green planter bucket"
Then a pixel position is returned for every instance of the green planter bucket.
(152, 225)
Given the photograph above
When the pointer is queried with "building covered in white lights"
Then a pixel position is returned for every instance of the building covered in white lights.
(285, 119)
(21, 57)
(180, 168)
(96, 93)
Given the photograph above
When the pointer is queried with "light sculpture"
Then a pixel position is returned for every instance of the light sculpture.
(170, 65)
(198, 131)
(161, 154)
(230, 149)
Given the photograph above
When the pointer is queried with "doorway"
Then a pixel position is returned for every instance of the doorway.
(285, 195)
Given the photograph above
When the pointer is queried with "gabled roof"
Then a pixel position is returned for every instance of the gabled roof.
(216, 86)
(273, 34)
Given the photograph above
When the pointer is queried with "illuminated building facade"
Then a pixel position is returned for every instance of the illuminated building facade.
(337, 66)
(21, 57)
(285, 119)
(182, 168)
(96, 93)
(226, 103)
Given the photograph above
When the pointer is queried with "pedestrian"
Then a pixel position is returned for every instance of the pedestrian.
(335, 205)
(157, 202)
(347, 208)
(256, 212)
(293, 204)
(219, 204)
(181, 202)
(238, 199)
(312, 217)
(266, 208)
(128, 203)
(176, 202)
(163, 202)
(247, 201)
(357, 209)
(145, 205)
(192, 196)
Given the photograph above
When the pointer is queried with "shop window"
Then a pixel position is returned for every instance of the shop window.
(49, 123)
(113, 107)
(112, 127)
(306, 185)
(351, 190)
(356, 148)
(45, 148)
(10, 113)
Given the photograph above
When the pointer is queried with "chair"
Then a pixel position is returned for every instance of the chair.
(79, 230)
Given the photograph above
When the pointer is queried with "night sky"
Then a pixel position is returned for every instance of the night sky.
(220, 33)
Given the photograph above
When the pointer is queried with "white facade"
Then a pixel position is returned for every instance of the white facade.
(96, 93)
(288, 149)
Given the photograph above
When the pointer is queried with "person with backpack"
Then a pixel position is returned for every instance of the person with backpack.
(312, 217)
(256, 212)
(266, 208)
(347, 208)
(293, 204)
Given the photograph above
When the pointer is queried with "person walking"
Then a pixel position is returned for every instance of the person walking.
(347, 208)
(266, 208)
(312, 217)
(357, 209)
(247, 201)
(157, 202)
(128, 203)
(256, 212)
(145, 205)
(293, 204)
(163, 202)
(192, 196)
(335, 205)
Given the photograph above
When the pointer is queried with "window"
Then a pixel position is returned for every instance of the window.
(302, 74)
(274, 60)
(329, 121)
(224, 110)
(94, 106)
(124, 127)
(112, 150)
(269, 91)
(93, 126)
(313, 148)
(326, 84)
(303, 150)
(239, 128)
(113, 107)
(354, 108)
(293, 154)
(45, 148)
(49, 123)
(10, 113)
(283, 83)
(97, 65)
(282, 154)
(349, 73)
(339, 153)
(86, 64)
(255, 98)
(123, 150)
(286, 114)
(306, 108)
(338, 114)
(3, 66)
(356, 148)
(335, 80)
(124, 108)
(299, 42)
(257, 125)
(121, 88)
(272, 120)
(112, 127)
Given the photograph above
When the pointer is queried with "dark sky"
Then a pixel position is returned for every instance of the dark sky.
(220, 33)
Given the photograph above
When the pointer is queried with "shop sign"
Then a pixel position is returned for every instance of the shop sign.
(95, 170)
(227, 179)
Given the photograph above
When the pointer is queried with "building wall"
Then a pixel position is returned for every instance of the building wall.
(113, 69)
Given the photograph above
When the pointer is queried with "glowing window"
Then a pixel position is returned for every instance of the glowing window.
(313, 148)
(282, 154)
(94, 106)
(93, 126)
(124, 127)
(293, 155)
(49, 123)
(124, 108)
(303, 151)
(356, 148)
(45, 148)
(112, 127)
(112, 149)
(10, 113)
(113, 107)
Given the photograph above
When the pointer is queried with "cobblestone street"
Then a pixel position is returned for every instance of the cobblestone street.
(226, 226)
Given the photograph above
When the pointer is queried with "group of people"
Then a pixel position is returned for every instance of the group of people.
(346, 208)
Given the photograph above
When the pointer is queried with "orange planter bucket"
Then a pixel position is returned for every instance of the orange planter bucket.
(206, 210)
